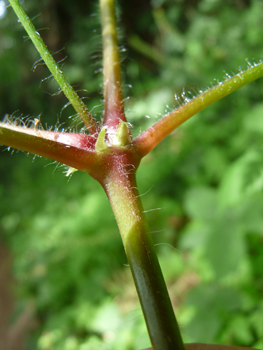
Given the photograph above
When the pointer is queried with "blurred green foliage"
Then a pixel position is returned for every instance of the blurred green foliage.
(206, 178)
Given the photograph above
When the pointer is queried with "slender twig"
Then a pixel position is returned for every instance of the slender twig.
(113, 98)
(150, 138)
(55, 70)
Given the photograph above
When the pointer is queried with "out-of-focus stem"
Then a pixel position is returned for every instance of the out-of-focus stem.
(113, 98)
(55, 70)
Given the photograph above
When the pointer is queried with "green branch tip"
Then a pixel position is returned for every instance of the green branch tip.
(122, 136)
(100, 146)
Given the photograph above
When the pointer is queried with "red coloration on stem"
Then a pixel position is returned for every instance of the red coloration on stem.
(82, 141)
(75, 150)
(113, 107)
(118, 164)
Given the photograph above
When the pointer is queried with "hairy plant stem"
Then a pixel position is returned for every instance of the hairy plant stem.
(113, 98)
(162, 326)
(150, 138)
(54, 68)
(61, 147)
(120, 186)
(113, 159)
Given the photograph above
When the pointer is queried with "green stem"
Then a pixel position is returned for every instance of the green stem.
(147, 50)
(156, 305)
(54, 68)
(113, 98)
(150, 138)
